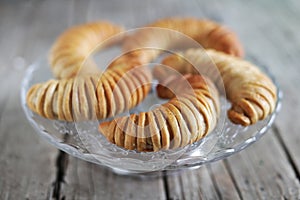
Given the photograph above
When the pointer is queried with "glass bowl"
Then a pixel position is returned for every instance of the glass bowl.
(83, 140)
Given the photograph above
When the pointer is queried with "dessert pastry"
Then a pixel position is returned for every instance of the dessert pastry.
(185, 119)
(83, 93)
(251, 92)
(91, 97)
(173, 32)
(70, 54)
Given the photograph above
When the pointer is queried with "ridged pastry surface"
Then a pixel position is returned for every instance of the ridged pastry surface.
(183, 120)
(251, 92)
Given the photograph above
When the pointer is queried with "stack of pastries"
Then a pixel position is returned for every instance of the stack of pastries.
(82, 92)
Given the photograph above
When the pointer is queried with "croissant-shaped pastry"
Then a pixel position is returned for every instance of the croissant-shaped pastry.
(186, 118)
(90, 97)
(70, 54)
(252, 93)
(208, 33)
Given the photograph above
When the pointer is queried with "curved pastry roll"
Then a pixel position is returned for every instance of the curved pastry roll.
(252, 94)
(90, 97)
(183, 120)
(70, 54)
(205, 32)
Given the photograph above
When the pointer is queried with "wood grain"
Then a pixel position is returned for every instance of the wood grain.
(27, 163)
(89, 181)
(19, 145)
(198, 185)
(262, 172)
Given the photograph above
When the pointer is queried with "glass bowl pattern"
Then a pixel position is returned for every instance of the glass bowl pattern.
(82, 140)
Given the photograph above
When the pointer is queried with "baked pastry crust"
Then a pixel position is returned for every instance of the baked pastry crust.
(205, 32)
(91, 97)
(185, 119)
(70, 53)
(82, 92)
(252, 93)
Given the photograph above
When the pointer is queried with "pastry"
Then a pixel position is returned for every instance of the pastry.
(252, 93)
(185, 119)
(71, 52)
(90, 97)
(175, 32)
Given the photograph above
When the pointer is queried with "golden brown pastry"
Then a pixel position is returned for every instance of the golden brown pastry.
(70, 54)
(83, 93)
(185, 119)
(208, 33)
(91, 97)
(252, 94)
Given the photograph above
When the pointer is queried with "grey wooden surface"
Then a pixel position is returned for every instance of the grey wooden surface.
(269, 169)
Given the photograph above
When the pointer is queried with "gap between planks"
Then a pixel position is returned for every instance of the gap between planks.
(286, 151)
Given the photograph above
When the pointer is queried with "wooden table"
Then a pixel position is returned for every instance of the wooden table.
(269, 169)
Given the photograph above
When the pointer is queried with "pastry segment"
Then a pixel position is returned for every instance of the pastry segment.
(251, 92)
(191, 114)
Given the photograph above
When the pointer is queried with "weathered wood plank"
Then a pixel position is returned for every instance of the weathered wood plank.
(27, 163)
(253, 33)
(19, 145)
(287, 40)
(223, 181)
(264, 173)
(271, 39)
(46, 22)
(89, 181)
(208, 182)
(20, 148)
(197, 184)
(173, 185)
